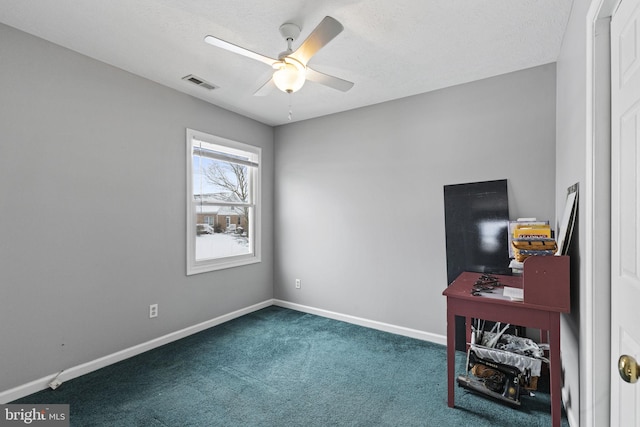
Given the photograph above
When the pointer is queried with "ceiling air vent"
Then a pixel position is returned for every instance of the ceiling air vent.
(200, 82)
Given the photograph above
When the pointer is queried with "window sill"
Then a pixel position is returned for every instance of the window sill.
(221, 264)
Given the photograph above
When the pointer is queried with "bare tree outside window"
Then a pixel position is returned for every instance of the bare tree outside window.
(233, 178)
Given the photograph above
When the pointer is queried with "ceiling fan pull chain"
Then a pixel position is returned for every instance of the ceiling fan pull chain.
(290, 110)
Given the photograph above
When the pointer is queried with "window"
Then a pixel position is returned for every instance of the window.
(223, 210)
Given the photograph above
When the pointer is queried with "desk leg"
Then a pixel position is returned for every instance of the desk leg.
(555, 369)
(544, 336)
(451, 355)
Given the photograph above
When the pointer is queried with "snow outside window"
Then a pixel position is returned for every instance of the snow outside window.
(223, 211)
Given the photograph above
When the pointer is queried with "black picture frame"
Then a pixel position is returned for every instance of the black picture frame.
(565, 228)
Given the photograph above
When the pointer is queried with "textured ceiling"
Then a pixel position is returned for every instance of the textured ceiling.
(389, 49)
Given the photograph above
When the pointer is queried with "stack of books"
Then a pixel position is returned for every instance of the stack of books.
(529, 237)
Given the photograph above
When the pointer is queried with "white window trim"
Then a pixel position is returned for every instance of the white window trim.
(203, 266)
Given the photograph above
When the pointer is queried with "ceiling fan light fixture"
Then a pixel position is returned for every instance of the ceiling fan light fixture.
(290, 75)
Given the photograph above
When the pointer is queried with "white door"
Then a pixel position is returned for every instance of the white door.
(625, 209)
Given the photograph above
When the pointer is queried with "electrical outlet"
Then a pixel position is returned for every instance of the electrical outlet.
(153, 311)
(297, 283)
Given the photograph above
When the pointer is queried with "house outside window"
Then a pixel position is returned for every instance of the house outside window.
(223, 209)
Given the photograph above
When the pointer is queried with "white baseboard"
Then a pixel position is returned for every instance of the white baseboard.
(566, 398)
(77, 371)
(373, 324)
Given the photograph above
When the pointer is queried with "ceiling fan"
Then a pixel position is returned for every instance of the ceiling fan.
(290, 68)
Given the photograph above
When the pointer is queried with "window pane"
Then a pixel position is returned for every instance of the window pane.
(220, 180)
(227, 236)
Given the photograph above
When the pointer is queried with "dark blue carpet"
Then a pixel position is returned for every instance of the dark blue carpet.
(279, 367)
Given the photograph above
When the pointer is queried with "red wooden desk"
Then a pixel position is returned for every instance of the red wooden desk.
(545, 317)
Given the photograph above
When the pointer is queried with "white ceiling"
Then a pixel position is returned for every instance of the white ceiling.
(389, 49)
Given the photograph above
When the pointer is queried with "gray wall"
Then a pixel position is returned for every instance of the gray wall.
(92, 229)
(570, 158)
(359, 195)
(585, 331)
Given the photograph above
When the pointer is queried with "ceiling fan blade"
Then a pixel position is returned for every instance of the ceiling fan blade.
(214, 41)
(326, 30)
(266, 88)
(327, 80)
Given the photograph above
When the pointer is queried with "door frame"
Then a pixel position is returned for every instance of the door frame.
(595, 407)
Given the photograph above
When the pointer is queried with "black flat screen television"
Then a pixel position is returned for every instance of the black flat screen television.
(477, 223)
